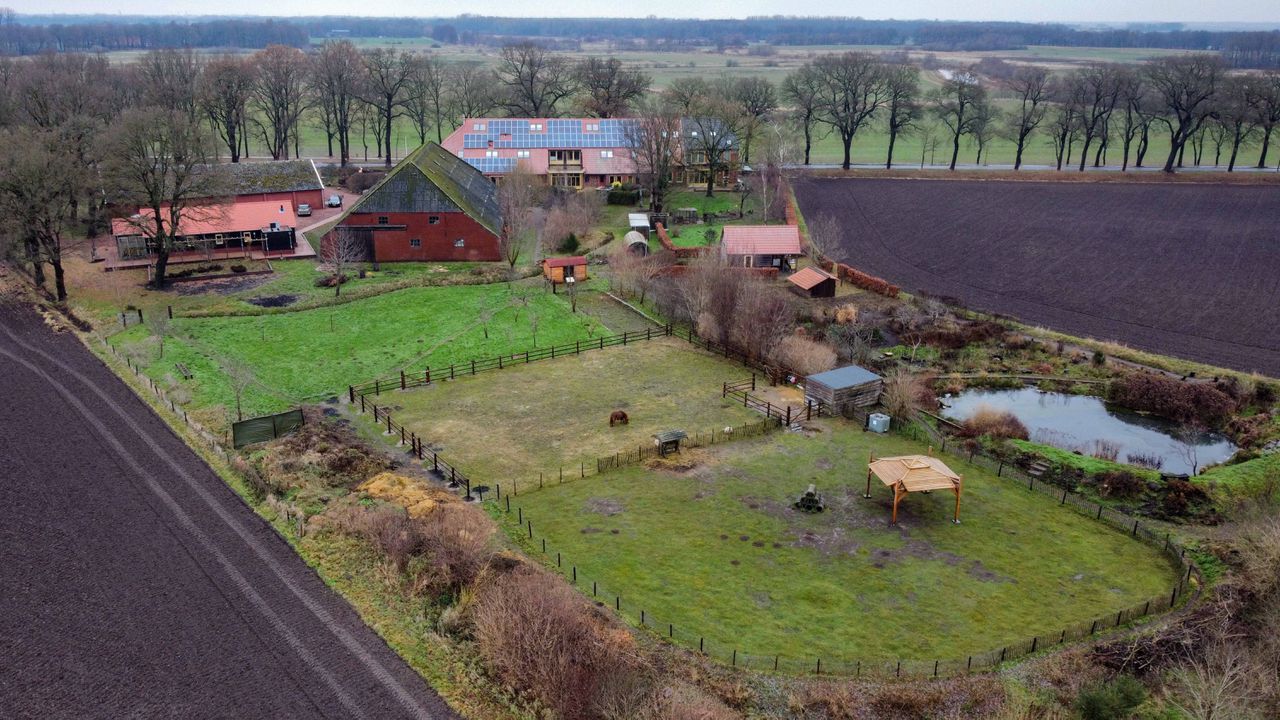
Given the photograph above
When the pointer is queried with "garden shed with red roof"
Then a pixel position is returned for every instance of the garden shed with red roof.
(774, 246)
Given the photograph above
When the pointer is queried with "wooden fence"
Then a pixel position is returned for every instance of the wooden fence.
(418, 378)
(784, 414)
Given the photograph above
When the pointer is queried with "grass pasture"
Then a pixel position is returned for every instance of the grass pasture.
(713, 547)
(509, 425)
(305, 355)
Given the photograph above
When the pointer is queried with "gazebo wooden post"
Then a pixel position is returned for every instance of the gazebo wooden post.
(959, 485)
(897, 495)
(867, 494)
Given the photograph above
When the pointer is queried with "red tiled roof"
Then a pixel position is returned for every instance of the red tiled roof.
(565, 261)
(761, 240)
(620, 164)
(809, 278)
(237, 217)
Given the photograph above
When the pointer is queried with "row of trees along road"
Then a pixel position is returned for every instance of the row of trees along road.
(1094, 109)
(82, 133)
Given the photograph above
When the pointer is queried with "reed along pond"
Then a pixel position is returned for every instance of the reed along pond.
(1078, 422)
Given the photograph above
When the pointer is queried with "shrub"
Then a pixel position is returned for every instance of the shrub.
(537, 634)
(331, 280)
(1150, 461)
(570, 244)
(1106, 450)
(239, 268)
(1099, 359)
(1172, 398)
(871, 283)
(358, 182)
(803, 355)
(905, 393)
(846, 314)
(623, 197)
(1119, 484)
(1115, 700)
(996, 424)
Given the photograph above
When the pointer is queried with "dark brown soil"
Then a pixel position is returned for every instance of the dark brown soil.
(137, 584)
(1189, 270)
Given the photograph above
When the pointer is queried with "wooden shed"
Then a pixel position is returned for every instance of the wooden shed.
(844, 389)
(813, 282)
(557, 270)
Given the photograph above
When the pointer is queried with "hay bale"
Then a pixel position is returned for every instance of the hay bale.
(415, 496)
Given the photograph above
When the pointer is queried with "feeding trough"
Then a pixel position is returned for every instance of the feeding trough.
(668, 441)
(810, 501)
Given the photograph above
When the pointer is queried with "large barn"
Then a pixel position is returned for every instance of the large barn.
(432, 207)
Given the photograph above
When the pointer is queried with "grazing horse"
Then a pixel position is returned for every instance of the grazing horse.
(618, 418)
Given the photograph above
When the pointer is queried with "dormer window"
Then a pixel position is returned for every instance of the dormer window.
(535, 127)
(478, 127)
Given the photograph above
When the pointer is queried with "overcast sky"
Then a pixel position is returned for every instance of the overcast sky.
(1024, 10)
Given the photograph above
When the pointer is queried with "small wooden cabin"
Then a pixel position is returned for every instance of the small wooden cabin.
(557, 269)
(844, 389)
(813, 282)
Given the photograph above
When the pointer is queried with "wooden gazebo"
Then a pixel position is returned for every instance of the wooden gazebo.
(914, 473)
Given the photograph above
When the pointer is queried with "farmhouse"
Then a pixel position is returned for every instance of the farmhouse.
(560, 269)
(431, 207)
(775, 246)
(585, 152)
(257, 213)
(844, 389)
(813, 282)
(223, 228)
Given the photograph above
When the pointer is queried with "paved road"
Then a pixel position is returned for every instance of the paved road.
(134, 583)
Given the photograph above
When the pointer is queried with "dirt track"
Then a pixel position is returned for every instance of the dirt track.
(134, 583)
(1191, 270)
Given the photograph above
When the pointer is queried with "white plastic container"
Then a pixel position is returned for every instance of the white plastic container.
(878, 422)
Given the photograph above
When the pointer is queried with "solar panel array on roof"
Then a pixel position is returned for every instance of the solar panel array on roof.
(562, 133)
(493, 165)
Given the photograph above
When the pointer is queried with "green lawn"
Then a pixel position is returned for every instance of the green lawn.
(510, 425)
(308, 354)
(717, 551)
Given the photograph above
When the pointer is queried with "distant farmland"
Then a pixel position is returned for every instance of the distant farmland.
(1188, 270)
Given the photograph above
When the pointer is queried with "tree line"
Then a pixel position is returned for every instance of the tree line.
(33, 34)
(1089, 114)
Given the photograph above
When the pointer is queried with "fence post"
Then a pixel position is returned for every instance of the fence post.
(388, 423)
(426, 376)
(788, 413)
(401, 379)
(450, 371)
(700, 640)
(351, 392)
(1000, 470)
(935, 668)
(519, 515)
(775, 664)
(377, 387)
(530, 524)
(1135, 529)
(1035, 641)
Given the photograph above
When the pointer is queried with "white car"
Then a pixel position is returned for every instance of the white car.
(304, 210)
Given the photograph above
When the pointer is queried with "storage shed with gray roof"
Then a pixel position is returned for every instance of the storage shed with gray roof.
(844, 389)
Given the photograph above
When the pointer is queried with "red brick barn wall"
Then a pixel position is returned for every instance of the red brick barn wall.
(392, 244)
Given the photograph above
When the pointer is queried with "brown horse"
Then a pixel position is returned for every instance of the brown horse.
(618, 418)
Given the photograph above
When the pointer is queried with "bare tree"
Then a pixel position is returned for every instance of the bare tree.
(756, 99)
(341, 249)
(160, 328)
(470, 91)
(1065, 121)
(1030, 87)
(801, 89)
(425, 99)
(156, 160)
(1186, 86)
(654, 139)
(1237, 115)
(710, 133)
(336, 72)
(1217, 683)
(224, 91)
(824, 236)
(959, 105)
(39, 182)
(685, 93)
(779, 151)
(609, 89)
(1134, 121)
(986, 120)
(536, 80)
(279, 96)
(169, 78)
(1265, 97)
(519, 196)
(387, 74)
(902, 103)
(239, 377)
(851, 90)
(1100, 88)
(1188, 436)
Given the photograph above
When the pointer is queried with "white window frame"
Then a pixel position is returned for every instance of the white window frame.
(536, 127)
(479, 127)
(522, 153)
(460, 242)
(606, 153)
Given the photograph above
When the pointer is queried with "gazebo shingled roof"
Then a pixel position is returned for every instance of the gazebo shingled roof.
(914, 473)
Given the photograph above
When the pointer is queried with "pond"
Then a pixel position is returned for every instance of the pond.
(1078, 422)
